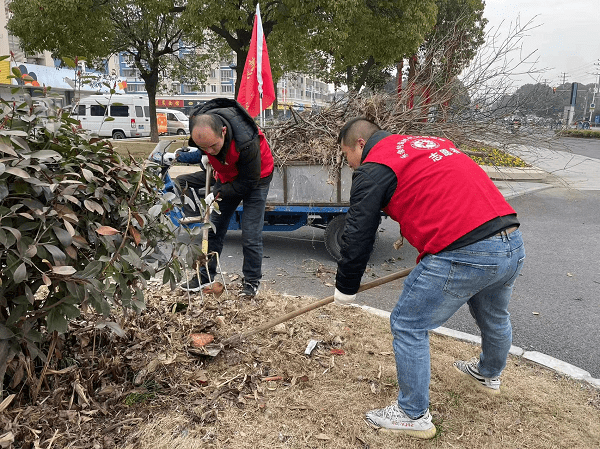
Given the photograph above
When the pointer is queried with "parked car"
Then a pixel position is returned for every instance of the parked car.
(177, 121)
(116, 116)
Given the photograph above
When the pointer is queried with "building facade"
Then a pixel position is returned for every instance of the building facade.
(294, 91)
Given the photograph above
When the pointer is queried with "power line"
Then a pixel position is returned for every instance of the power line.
(564, 77)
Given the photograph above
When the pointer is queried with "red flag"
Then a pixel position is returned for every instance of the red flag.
(257, 80)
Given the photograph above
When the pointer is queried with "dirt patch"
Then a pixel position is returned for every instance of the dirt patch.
(140, 149)
(152, 389)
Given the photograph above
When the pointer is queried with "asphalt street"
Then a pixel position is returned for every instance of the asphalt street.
(556, 302)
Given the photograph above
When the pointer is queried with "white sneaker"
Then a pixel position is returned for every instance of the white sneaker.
(393, 418)
(471, 370)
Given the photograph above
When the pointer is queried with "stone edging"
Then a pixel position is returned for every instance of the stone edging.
(514, 173)
(542, 359)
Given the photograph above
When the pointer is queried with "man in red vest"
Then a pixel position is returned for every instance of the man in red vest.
(470, 251)
(223, 131)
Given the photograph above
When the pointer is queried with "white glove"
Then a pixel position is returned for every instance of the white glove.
(205, 161)
(210, 202)
(342, 299)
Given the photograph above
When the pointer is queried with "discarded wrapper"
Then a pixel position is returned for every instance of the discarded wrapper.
(311, 345)
(200, 340)
(216, 288)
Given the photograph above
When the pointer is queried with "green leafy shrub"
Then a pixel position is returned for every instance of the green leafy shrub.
(494, 157)
(584, 133)
(79, 225)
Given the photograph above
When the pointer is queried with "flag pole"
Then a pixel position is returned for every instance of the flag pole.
(262, 113)
(257, 90)
(259, 44)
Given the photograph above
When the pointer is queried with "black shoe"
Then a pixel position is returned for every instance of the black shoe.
(249, 289)
(193, 285)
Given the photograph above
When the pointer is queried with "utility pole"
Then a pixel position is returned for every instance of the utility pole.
(564, 76)
(597, 86)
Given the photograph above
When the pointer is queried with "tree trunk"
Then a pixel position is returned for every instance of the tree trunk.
(399, 67)
(151, 80)
(362, 75)
(239, 70)
(412, 73)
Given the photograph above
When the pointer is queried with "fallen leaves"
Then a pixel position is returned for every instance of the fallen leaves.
(200, 340)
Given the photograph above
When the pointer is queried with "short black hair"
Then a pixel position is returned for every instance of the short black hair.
(356, 128)
(213, 121)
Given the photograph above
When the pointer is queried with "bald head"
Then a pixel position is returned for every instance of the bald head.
(357, 128)
(210, 121)
(208, 133)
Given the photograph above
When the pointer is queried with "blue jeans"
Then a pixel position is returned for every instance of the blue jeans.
(253, 217)
(482, 275)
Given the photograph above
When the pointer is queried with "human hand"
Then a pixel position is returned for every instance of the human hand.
(342, 299)
(205, 161)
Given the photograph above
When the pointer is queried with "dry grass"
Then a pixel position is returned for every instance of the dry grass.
(141, 148)
(321, 399)
(150, 389)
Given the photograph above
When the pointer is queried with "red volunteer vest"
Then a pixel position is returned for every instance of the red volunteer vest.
(228, 172)
(441, 194)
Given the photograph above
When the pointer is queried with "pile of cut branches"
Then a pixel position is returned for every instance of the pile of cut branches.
(312, 137)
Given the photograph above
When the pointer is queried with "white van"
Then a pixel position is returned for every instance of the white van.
(129, 115)
(177, 121)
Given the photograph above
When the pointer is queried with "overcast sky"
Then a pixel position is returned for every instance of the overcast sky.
(567, 37)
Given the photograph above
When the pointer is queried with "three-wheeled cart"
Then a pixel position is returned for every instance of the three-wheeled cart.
(303, 194)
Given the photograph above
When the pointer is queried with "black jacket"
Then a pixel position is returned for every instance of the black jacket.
(372, 188)
(243, 130)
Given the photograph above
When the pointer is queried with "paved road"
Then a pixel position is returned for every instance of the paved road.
(556, 303)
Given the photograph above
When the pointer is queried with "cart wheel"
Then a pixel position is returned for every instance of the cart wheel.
(333, 237)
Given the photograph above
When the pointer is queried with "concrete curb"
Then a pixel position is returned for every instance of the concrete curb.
(556, 365)
(531, 174)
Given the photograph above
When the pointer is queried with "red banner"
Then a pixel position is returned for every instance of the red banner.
(169, 103)
(257, 78)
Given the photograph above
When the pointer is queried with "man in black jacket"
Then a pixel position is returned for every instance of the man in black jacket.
(470, 252)
(242, 161)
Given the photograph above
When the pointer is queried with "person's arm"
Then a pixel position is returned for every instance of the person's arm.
(249, 166)
(372, 188)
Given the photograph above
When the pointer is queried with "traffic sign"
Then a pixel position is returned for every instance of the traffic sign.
(592, 106)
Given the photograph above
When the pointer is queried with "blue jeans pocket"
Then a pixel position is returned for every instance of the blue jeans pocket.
(512, 279)
(466, 279)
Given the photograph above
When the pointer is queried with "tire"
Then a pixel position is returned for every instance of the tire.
(181, 132)
(118, 135)
(333, 237)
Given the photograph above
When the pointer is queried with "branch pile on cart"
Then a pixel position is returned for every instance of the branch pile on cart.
(312, 137)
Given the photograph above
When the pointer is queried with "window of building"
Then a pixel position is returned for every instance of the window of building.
(136, 88)
(226, 88)
(226, 75)
(213, 73)
(213, 89)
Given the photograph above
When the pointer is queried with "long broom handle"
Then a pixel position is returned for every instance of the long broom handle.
(317, 304)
